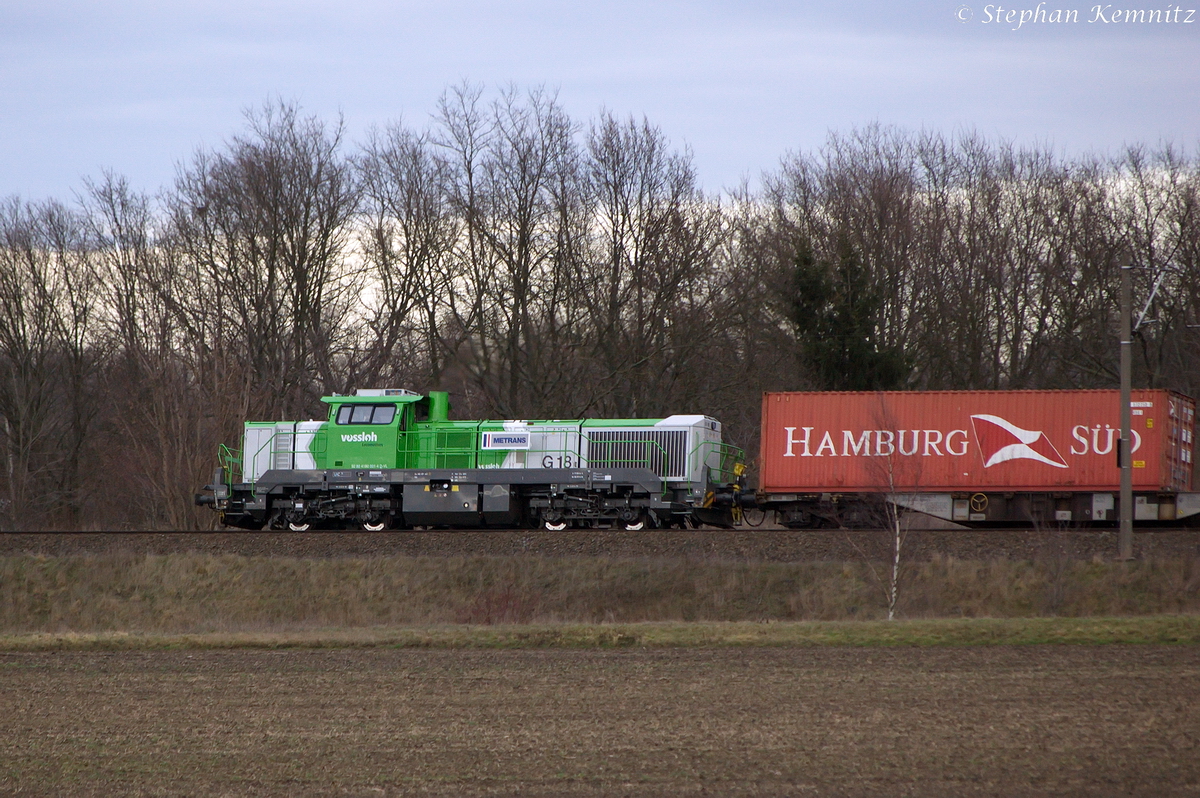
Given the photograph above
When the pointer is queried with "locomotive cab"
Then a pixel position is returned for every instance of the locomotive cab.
(367, 430)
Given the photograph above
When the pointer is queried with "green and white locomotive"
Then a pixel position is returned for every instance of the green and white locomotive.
(393, 459)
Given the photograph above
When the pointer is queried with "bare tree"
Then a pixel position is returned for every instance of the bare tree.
(996, 262)
(1157, 214)
(511, 171)
(409, 238)
(47, 361)
(644, 277)
(264, 226)
(163, 423)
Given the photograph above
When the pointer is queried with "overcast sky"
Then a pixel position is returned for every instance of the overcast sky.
(138, 86)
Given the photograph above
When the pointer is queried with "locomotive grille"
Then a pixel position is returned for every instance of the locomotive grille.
(662, 451)
(283, 450)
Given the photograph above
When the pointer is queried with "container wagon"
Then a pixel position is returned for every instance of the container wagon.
(978, 458)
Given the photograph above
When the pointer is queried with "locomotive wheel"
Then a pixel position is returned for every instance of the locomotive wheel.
(632, 519)
(553, 520)
(292, 525)
(367, 525)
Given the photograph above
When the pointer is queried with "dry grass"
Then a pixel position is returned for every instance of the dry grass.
(203, 593)
(956, 632)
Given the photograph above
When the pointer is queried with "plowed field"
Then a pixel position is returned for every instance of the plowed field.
(1067, 720)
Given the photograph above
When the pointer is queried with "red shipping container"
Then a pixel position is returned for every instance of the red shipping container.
(972, 440)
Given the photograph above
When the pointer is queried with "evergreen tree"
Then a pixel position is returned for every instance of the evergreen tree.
(833, 307)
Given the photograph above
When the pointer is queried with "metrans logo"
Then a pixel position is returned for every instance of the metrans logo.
(360, 437)
(505, 440)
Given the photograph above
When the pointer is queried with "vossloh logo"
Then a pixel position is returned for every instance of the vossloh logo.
(362, 437)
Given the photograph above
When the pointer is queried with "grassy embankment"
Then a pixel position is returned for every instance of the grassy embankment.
(196, 600)
(939, 632)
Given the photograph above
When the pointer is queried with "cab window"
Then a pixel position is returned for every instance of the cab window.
(366, 414)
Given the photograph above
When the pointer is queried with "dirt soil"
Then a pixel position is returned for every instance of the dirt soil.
(780, 545)
(1067, 720)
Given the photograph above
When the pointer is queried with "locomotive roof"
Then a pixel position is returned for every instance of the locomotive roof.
(373, 399)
